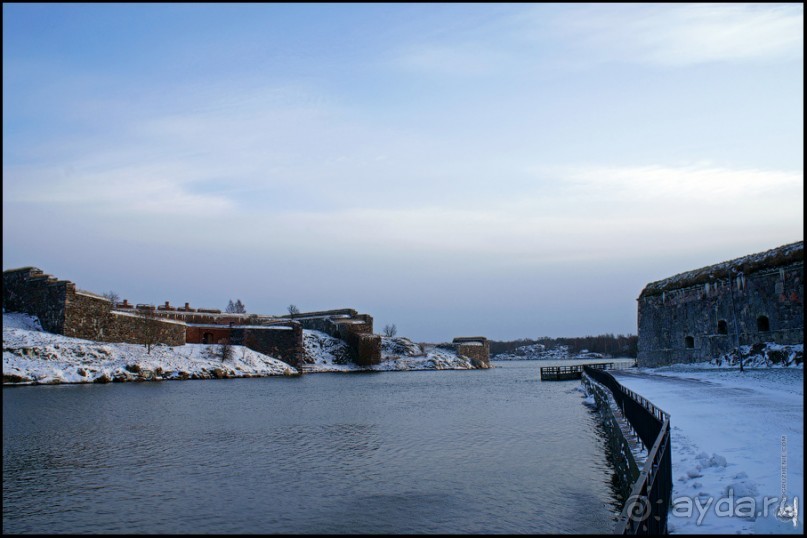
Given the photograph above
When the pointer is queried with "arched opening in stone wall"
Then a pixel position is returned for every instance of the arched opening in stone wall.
(763, 325)
(689, 341)
(207, 338)
(722, 327)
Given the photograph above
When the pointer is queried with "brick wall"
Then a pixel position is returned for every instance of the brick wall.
(207, 334)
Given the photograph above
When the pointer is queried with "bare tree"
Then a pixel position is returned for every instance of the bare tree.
(293, 310)
(113, 297)
(236, 307)
(226, 350)
(390, 330)
(149, 326)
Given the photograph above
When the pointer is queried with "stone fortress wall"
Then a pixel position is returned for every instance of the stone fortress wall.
(476, 348)
(348, 325)
(64, 309)
(705, 313)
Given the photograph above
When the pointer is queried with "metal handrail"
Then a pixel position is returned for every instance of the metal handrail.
(645, 511)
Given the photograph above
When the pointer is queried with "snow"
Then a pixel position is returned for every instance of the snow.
(535, 352)
(329, 354)
(21, 321)
(33, 356)
(729, 430)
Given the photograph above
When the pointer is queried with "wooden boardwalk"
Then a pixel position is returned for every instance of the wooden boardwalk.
(560, 373)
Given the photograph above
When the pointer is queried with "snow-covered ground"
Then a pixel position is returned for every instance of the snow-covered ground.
(31, 355)
(736, 436)
(328, 354)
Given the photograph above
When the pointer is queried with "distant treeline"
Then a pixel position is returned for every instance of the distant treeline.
(622, 345)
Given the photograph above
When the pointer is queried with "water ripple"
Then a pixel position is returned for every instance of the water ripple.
(423, 452)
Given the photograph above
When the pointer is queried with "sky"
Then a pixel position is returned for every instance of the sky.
(502, 170)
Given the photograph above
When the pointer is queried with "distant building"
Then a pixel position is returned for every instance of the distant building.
(704, 313)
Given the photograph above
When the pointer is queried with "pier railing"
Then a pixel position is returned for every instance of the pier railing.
(645, 511)
(575, 371)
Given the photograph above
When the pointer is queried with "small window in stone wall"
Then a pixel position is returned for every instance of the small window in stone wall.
(689, 341)
(763, 325)
(722, 327)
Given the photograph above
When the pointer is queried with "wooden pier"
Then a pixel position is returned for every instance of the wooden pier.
(560, 373)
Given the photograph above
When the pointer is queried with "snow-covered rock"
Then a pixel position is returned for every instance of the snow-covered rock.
(763, 355)
(323, 349)
(394, 347)
(328, 354)
(534, 352)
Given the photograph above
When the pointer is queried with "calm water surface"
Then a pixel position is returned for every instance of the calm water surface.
(480, 451)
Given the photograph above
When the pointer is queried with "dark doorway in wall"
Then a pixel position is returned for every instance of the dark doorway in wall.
(689, 341)
(763, 325)
(207, 338)
(722, 327)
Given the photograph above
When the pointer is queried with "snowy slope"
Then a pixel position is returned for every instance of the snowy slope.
(35, 356)
(31, 355)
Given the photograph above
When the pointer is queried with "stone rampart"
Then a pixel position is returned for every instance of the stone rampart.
(473, 347)
(284, 342)
(355, 329)
(62, 309)
(129, 328)
(30, 290)
(704, 319)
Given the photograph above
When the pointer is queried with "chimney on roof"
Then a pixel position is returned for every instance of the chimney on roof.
(187, 306)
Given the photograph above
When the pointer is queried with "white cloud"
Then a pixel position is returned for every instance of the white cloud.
(690, 183)
(681, 34)
(138, 189)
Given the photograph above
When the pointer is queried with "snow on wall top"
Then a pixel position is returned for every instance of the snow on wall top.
(784, 255)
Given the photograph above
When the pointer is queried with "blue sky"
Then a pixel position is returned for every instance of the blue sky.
(502, 170)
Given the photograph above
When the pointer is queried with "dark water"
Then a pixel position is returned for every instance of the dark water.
(480, 451)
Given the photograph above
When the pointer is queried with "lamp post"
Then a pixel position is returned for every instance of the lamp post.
(734, 313)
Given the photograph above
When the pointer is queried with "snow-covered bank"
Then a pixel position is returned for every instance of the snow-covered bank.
(33, 356)
(735, 435)
(327, 354)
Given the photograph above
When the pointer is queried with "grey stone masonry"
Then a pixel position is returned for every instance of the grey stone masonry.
(704, 313)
